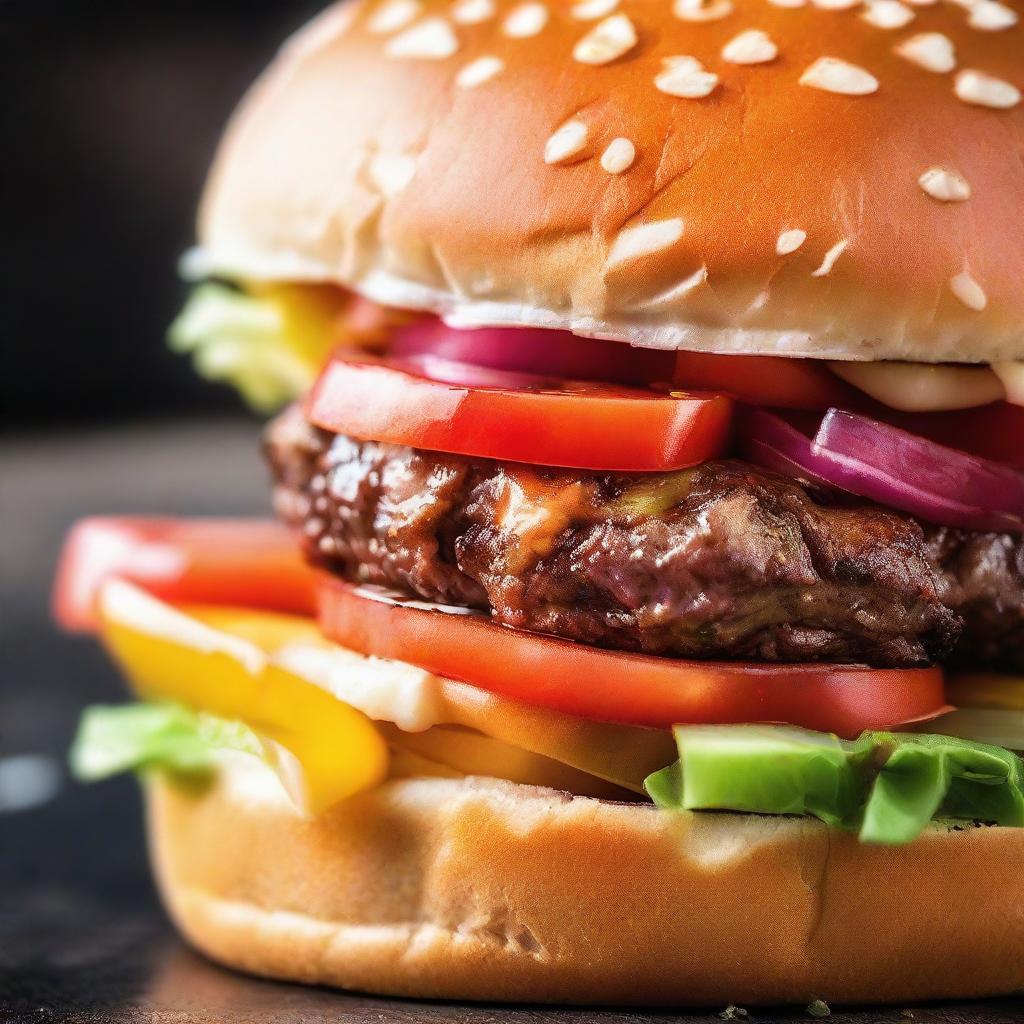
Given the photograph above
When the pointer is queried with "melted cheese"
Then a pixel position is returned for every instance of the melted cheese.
(536, 511)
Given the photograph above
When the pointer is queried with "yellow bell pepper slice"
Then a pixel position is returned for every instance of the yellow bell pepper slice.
(432, 725)
(168, 654)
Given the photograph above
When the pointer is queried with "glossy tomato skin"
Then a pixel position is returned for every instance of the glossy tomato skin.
(247, 562)
(631, 689)
(581, 426)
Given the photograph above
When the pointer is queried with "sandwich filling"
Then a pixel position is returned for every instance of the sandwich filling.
(709, 582)
(724, 560)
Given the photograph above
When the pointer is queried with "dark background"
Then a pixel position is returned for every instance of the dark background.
(110, 115)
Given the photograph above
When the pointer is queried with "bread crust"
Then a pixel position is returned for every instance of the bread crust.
(350, 164)
(484, 890)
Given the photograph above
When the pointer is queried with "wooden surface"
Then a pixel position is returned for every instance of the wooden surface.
(82, 937)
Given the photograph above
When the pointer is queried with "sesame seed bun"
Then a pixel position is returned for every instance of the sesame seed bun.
(834, 179)
(481, 889)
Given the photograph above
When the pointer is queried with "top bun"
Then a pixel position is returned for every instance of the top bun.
(841, 180)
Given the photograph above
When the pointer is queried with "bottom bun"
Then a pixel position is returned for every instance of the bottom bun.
(485, 890)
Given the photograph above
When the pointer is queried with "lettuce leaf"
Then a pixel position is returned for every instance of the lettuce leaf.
(153, 736)
(884, 786)
(268, 344)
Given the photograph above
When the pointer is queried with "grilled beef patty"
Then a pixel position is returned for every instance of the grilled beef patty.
(722, 561)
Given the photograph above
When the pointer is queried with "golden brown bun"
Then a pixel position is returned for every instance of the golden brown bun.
(352, 164)
(480, 889)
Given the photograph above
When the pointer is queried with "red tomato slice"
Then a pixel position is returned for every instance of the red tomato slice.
(766, 380)
(611, 686)
(249, 562)
(584, 426)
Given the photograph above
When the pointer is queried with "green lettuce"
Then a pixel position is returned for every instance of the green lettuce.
(154, 736)
(245, 340)
(884, 786)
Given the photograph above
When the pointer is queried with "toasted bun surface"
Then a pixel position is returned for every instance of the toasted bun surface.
(799, 208)
(480, 889)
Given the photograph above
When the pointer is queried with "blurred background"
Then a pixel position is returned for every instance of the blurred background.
(110, 117)
(109, 121)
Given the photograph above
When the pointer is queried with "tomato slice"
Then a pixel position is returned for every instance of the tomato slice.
(579, 425)
(773, 381)
(630, 689)
(250, 562)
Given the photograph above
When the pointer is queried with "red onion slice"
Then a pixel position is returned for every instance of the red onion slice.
(533, 350)
(471, 375)
(769, 441)
(938, 484)
(893, 467)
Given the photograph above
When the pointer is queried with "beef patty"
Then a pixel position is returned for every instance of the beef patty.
(722, 561)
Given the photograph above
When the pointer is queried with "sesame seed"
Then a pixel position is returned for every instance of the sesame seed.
(830, 74)
(990, 16)
(792, 4)
(968, 291)
(588, 10)
(606, 41)
(789, 241)
(981, 90)
(391, 173)
(750, 47)
(687, 285)
(945, 185)
(525, 20)
(393, 15)
(830, 259)
(618, 156)
(478, 71)
(686, 77)
(836, 5)
(644, 239)
(930, 50)
(887, 14)
(430, 39)
(702, 10)
(566, 143)
(473, 12)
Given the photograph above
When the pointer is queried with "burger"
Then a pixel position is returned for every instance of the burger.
(643, 621)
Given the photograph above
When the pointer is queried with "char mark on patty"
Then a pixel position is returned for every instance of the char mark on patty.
(722, 561)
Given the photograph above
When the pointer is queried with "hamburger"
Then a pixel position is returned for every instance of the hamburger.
(644, 618)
